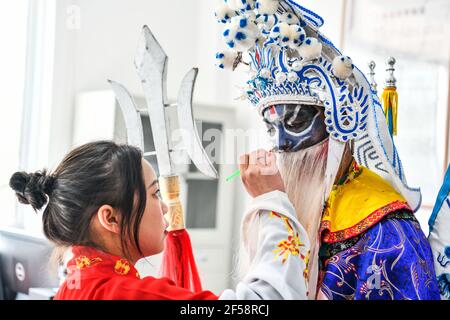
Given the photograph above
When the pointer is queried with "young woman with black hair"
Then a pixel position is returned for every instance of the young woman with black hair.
(103, 201)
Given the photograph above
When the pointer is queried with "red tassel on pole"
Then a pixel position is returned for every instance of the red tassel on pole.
(178, 263)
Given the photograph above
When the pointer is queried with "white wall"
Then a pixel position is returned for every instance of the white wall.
(103, 47)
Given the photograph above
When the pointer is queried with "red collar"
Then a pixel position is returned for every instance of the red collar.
(88, 258)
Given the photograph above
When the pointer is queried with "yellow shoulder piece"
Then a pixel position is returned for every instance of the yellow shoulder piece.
(355, 204)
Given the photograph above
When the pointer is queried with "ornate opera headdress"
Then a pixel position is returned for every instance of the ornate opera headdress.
(292, 63)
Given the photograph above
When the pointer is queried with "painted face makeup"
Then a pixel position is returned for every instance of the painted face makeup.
(294, 127)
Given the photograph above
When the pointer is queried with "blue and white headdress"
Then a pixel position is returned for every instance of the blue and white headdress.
(291, 62)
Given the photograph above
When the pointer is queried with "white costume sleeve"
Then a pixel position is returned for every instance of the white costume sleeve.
(278, 255)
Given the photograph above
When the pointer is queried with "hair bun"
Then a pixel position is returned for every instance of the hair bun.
(32, 188)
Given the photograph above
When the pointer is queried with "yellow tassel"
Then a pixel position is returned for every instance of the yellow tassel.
(390, 105)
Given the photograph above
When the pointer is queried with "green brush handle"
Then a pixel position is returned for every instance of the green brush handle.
(233, 175)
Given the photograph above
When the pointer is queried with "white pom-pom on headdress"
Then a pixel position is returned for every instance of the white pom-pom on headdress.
(343, 67)
(281, 34)
(267, 6)
(241, 33)
(290, 18)
(310, 49)
(266, 22)
(286, 35)
(224, 13)
(237, 5)
(296, 36)
(227, 59)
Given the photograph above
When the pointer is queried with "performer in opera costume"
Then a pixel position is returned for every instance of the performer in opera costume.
(339, 163)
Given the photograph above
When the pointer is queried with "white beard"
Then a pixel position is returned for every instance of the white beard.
(303, 173)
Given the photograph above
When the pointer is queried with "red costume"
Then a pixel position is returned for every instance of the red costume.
(97, 275)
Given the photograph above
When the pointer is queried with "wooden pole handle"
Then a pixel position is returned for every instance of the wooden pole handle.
(170, 192)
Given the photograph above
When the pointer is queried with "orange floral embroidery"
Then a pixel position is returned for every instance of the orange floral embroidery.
(122, 267)
(84, 262)
(306, 271)
(289, 246)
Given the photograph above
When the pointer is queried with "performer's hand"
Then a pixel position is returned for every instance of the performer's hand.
(259, 173)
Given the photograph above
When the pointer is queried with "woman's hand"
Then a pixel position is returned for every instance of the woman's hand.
(259, 173)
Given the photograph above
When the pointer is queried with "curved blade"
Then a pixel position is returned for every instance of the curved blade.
(150, 55)
(151, 65)
(133, 123)
(191, 140)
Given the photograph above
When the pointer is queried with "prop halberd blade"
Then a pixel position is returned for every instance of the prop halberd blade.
(151, 64)
(133, 123)
(191, 140)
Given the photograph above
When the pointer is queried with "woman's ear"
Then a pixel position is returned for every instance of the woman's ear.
(109, 218)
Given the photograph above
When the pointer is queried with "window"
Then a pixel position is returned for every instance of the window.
(27, 31)
(202, 192)
(13, 32)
